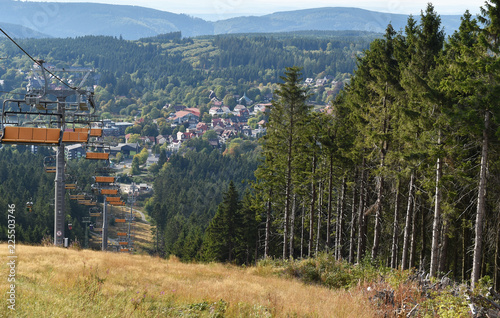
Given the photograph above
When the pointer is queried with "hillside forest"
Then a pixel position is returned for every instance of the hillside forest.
(397, 168)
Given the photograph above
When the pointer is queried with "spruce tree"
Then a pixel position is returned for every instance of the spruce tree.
(221, 235)
(288, 116)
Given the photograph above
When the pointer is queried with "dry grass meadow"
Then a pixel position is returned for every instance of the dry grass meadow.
(57, 282)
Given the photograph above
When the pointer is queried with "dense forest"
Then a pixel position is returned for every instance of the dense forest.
(402, 169)
(23, 180)
(189, 188)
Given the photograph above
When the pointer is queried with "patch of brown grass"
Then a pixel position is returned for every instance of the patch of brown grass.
(59, 282)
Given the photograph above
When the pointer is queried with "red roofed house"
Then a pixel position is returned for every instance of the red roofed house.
(202, 127)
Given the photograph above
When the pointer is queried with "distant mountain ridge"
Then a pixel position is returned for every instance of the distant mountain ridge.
(56, 19)
(326, 19)
(19, 31)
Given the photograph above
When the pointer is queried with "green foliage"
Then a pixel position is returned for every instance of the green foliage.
(135, 165)
(231, 234)
(188, 191)
(143, 156)
(446, 304)
(327, 271)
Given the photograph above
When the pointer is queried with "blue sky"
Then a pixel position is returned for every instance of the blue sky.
(220, 9)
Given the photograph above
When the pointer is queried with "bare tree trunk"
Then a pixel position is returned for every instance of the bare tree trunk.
(340, 221)
(384, 147)
(423, 238)
(329, 209)
(395, 230)
(408, 223)
(361, 216)
(292, 225)
(496, 276)
(320, 205)
(352, 238)
(413, 240)
(302, 231)
(311, 214)
(378, 216)
(268, 225)
(437, 218)
(286, 215)
(464, 249)
(443, 254)
(481, 199)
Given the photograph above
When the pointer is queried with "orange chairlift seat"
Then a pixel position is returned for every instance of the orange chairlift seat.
(31, 135)
(77, 197)
(121, 233)
(87, 202)
(120, 220)
(117, 203)
(51, 169)
(97, 155)
(104, 179)
(94, 132)
(124, 250)
(95, 214)
(123, 243)
(76, 137)
(70, 186)
(109, 191)
(113, 199)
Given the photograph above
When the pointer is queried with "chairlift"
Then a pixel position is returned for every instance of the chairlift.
(70, 186)
(109, 191)
(17, 132)
(49, 164)
(104, 179)
(117, 203)
(29, 206)
(77, 197)
(97, 150)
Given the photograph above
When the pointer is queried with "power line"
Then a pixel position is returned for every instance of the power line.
(36, 61)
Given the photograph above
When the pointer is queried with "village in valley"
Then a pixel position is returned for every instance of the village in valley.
(247, 119)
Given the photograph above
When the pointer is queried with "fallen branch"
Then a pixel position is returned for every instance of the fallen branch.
(412, 310)
(494, 293)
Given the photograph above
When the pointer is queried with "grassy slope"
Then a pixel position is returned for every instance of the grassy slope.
(56, 282)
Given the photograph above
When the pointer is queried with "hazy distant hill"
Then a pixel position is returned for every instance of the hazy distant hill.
(78, 19)
(331, 19)
(133, 22)
(19, 31)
